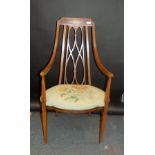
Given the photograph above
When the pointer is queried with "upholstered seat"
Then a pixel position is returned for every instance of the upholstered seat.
(74, 97)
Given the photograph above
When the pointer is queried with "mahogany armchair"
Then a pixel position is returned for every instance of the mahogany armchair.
(75, 97)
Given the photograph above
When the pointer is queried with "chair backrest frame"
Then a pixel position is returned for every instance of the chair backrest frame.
(76, 24)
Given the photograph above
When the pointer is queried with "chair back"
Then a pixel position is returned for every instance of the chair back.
(75, 49)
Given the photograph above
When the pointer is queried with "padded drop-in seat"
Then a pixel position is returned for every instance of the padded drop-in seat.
(75, 97)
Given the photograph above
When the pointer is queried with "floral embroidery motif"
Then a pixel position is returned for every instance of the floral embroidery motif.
(72, 93)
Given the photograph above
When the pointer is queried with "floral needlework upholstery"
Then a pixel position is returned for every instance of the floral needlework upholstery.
(75, 97)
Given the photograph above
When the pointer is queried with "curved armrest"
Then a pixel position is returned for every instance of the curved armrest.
(46, 69)
(50, 64)
(97, 58)
(102, 68)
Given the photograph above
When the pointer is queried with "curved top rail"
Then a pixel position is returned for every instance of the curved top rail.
(75, 21)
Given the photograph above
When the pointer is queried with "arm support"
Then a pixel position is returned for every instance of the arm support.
(43, 92)
(107, 93)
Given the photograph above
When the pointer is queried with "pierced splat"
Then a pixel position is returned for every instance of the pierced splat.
(78, 48)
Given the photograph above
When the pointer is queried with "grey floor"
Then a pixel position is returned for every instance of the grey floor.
(77, 135)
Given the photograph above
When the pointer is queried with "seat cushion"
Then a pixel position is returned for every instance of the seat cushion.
(75, 97)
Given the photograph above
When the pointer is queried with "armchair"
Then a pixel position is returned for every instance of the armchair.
(75, 97)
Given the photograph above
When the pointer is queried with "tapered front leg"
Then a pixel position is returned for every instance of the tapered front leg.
(44, 125)
(103, 118)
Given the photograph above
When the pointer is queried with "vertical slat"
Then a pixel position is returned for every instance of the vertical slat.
(88, 57)
(75, 37)
(67, 55)
(83, 58)
(81, 55)
(62, 54)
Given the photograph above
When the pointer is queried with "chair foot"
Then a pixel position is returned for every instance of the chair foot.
(100, 141)
(45, 141)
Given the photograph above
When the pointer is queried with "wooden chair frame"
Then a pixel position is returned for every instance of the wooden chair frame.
(76, 22)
